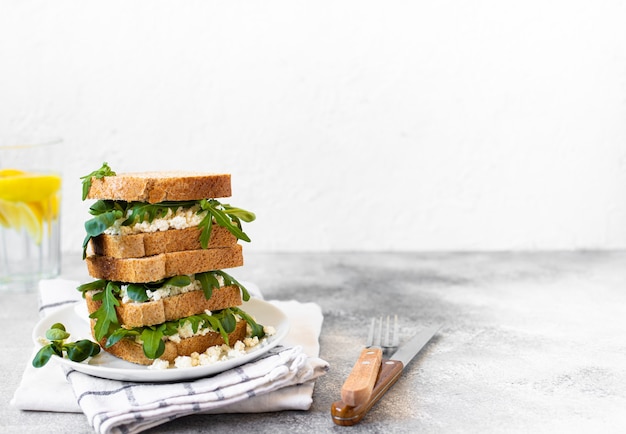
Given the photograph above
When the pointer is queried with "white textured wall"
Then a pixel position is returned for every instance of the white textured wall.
(360, 125)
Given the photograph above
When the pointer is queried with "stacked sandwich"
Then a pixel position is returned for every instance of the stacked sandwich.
(158, 244)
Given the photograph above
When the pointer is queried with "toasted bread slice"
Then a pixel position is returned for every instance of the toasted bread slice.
(161, 266)
(154, 187)
(154, 243)
(170, 308)
(131, 351)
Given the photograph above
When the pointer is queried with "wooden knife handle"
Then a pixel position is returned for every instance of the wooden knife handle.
(346, 415)
(357, 388)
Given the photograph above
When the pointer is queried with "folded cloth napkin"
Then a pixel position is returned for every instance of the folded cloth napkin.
(282, 380)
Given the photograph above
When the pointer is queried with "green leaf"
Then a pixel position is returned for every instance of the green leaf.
(178, 281)
(239, 213)
(228, 322)
(137, 292)
(100, 223)
(206, 226)
(223, 220)
(101, 206)
(106, 316)
(97, 225)
(216, 325)
(118, 335)
(43, 356)
(216, 210)
(103, 171)
(257, 329)
(76, 351)
(153, 345)
(194, 320)
(208, 282)
(142, 211)
(96, 284)
(58, 325)
(56, 334)
(171, 328)
(81, 350)
(230, 280)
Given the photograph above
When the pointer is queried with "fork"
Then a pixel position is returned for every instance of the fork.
(360, 382)
(390, 342)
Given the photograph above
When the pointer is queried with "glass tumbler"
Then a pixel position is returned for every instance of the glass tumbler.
(30, 211)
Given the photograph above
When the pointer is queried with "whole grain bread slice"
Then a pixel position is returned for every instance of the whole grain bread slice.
(129, 350)
(170, 308)
(154, 187)
(161, 266)
(153, 243)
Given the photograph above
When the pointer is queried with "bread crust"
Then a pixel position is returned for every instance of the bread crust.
(161, 266)
(149, 313)
(154, 187)
(154, 243)
(129, 350)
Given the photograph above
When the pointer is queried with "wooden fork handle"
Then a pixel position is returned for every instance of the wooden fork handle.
(346, 415)
(357, 388)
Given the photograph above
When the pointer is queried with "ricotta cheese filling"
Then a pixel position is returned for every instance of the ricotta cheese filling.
(182, 218)
(167, 290)
(186, 330)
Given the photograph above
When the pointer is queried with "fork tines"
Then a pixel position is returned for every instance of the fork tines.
(387, 341)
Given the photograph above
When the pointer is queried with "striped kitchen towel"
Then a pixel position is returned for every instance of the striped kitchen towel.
(125, 407)
(282, 380)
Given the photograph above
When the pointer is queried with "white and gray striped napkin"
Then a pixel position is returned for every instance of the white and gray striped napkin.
(282, 380)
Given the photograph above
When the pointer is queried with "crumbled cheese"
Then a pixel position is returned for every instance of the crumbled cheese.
(186, 331)
(159, 364)
(219, 353)
(167, 290)
(182, 218)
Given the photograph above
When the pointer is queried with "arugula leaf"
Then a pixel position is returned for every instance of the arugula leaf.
(103, 171)
(257, 329)
(216, 210)
(208, 282)
(106, 315)
(107, 212)
(141, 211)
(216, 325)
(239, 214)
(230, 280)
(118, 335)
(206, 226)
(195, 320)
(96, 284)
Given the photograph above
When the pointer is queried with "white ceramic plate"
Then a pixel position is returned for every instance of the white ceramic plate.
(75, 319)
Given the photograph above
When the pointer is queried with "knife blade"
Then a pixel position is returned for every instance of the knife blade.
(390, 370)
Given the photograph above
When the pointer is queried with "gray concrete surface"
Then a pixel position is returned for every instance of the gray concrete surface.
(532, 342)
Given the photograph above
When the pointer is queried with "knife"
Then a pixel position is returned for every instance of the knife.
(390, 370)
